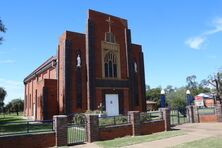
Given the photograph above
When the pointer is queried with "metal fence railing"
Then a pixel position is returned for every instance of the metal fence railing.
(11, 128)
(150, 116)
(178, 117)
(206, 111)
(113, 120)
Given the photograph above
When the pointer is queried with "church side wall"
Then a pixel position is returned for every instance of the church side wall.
(34, 93)
(139, 78)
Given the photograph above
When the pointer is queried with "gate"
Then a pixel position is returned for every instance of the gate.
(178, 116)
(76, 129)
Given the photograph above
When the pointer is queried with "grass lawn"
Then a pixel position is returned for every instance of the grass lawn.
(11, 118)
(120, 142)
(13, 124)
(205, 111)
(212, 142)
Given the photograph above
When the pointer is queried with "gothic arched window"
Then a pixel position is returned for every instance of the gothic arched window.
(110, 65)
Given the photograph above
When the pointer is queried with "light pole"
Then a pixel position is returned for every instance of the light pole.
(188, 97)
(162, 99)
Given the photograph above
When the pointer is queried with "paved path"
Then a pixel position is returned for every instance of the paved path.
(194, 131)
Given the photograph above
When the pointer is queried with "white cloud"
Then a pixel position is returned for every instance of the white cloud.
(15, 89)
(195, 42)
(198, 41)
(7, 61)
(217, 27)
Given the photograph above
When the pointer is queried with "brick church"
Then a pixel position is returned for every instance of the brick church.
(100, 66)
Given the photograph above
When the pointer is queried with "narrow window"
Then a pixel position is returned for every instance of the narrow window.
(115, 70)
(110, 69)
(106, 70)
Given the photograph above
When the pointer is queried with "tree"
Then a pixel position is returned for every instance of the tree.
(192, 84)
(195, 87)
(216, 82)
(177, 99)
(169, 89)
(153, 95)
(16, 105)
(2, 29)
(3, 93)
(8, 108)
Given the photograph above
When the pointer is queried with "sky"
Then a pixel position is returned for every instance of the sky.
(179, 38)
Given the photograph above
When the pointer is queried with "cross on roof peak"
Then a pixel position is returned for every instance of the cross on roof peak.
(110, 23)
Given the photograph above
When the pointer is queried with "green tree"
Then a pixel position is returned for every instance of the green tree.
(169, 89)
(3, 93)
(216, 81)
(2, 29)
(16, 105)
(177, 99)
(153, 95)
(8, 108)
(195, 87)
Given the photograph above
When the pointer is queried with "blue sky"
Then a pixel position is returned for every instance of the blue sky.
(179, 38)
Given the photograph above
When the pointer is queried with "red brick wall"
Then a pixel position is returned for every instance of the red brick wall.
(28, 141)
(115, 131)
(126, 101)
(118, 28)
(152, 127)
(208, 118)
(33, 93)
(60, 54)
(51, 98)
(136, 49)
(77, 41)
(112, 132)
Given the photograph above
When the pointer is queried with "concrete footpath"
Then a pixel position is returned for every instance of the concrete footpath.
(194, 131)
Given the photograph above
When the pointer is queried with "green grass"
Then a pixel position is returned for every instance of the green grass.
(13, 124)
(76, 134)
(125, 141)
(212, 142)
(205, 111)
(11, 118)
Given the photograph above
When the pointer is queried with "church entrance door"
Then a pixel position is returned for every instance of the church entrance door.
(112, 104)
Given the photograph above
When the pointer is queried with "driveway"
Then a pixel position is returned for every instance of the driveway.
(194, 131)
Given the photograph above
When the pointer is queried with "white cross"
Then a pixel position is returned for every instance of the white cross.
(110, 23)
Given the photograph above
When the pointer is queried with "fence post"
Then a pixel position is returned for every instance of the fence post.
(190, 113)
(196, 114)
(219, 112)
(92, 128)
(60, 127)
(166, 117)
(135, 121)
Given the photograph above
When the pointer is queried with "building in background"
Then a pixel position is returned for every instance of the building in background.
(204, 100)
